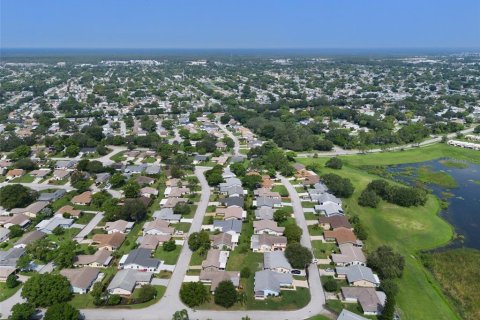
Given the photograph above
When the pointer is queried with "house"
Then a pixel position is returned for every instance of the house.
(51, 196)
(61, 174)
(230, 182)
(267, 202)
(18, 219)
(264, 213)
(28, 238)
(267, 182)
(268, 227)
(232, 202)
(157, 227)
(4, 233)
(228, 226)
(334, 222)
(14, 173)
(348, 315)
(175, 192)
(269, 283)
(10, 257)
(216, 260)
(100, 259)
(229, 213)
(102, 177)
(65, 164)
(370, 300)
(152, 241)
(223, 241)
(135, 169)
(358, 275)
(266, 242)
(234, 191)
(125, 281)
(329, 209)
(108, 242)
(276, 261)
(87, 150)
(139, 259)
(31, 210)
(172, 202)
(81, 279)
(144, 181)
(40, 173)
(325, 198)
(148, 192)
(213, 278)
(153, 169)
(199, 158)
(342, 235)
(121, 226)
(167, 214)
(5, 272)
(349, 255)
(48, 225)
(267, 193)
(83, 199)
(70, 211)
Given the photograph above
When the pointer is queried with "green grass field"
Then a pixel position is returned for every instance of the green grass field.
(168, 257)
(407, 230)
(6, 293)
(425, 174)
(455, 270)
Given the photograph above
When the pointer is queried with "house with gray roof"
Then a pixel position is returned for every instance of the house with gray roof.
(269, 283)
(348, 315)
(229, 226)
(276, 261)
(358, 275)
(153, 169)
(102, 177)
(230, 182)
(47, 226)
(9, 258)
(28, 238)
(81, 279)
(325, 198)
(65, 164)
(329, 209)
(51, 196)
(4, 233)
(267, 202)
(167, 214)
(140, 259)
(125, 281)
(349, 255)
(370, 300)
(232, 202)
(264, 213)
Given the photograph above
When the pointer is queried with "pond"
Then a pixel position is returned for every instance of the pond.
(456, 182)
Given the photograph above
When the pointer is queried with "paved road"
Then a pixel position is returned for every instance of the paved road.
(236, 148)
(89, 227)
(339, 151)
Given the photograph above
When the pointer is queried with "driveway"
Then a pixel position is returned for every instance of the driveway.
(89, 227)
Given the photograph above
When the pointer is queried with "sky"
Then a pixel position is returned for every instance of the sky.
(209, 24)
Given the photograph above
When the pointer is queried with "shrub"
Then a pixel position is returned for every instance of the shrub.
(245, 272)
(334, 163)
(330, 285)
(340, 187)
(226, 294)
(368, 198)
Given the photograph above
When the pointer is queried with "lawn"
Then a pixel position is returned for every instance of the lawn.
(168, 257)
(85, 218)
(280, 189)
(323, 250)
(182, 226)
(6, 293)
(69, 234)
(407, 230)
(26, 178)
(455, 269)
(118, 157)
(311, 216)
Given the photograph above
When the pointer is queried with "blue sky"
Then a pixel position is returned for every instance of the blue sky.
(239, 24)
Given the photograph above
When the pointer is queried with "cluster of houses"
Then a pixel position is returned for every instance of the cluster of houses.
(350, 261)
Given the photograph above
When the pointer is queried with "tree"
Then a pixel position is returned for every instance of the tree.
(15, 231)
(16, 196)
(72, 151)
(180, 315)
(214, 176)
(368, 198)
(12, 281)
(65, 254)
(117, 180)
(169, 245)
(43, 290)
(334, 163)
(477, 129)
(199, 240)
(226, 294)
(146, 293)
(41, 249)
(388, 311)
(22, 311)
(182, 208)
(293, 233)
(131, 190)
(281, 215)
(194, 293)
(251, 181)
(298, 255)
(386, 262)
(62, 311)
(330, 285)
(238, 168)
(340, 187)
